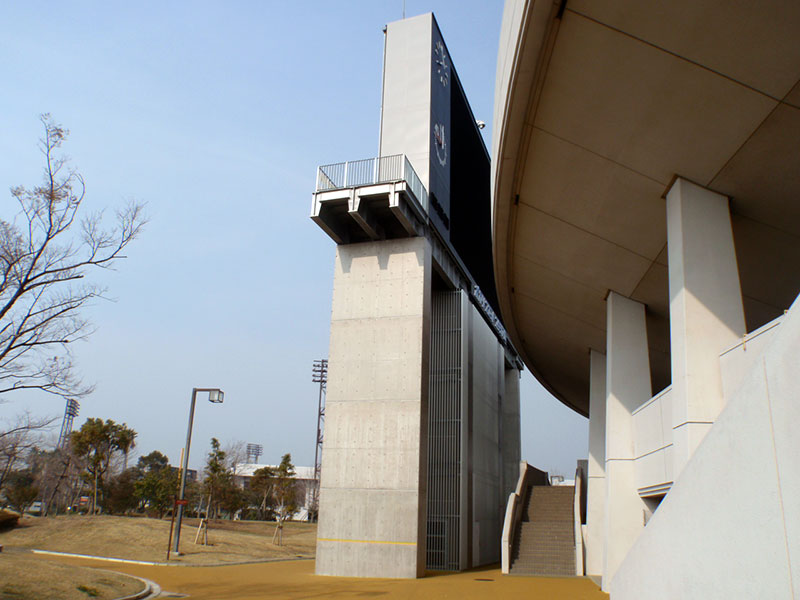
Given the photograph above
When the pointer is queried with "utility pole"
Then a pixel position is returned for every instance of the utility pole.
(319, 374)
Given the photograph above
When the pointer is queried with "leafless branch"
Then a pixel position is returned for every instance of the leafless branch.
(44, 262)
(17, 438)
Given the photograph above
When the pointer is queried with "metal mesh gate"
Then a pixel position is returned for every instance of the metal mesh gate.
(444, 433)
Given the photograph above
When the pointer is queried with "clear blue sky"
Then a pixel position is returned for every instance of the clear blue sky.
(216, 115)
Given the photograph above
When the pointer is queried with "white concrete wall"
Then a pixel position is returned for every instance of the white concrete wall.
(737, 360)
(652, 441)
(405, 120)
(730, 526)
(372, 497)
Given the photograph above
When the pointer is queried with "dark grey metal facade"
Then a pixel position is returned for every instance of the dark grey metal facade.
(445, 433)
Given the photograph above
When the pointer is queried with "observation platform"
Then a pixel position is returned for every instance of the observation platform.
(383, 198)
(368, 200)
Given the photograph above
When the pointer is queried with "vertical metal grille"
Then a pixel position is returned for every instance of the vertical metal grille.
(444, 433)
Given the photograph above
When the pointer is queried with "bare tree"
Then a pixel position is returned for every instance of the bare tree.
(18, 438)
(46, 252)
(60, 479)
(235, 455)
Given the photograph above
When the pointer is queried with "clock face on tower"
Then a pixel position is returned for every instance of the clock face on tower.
(441, 62)
(440, 143)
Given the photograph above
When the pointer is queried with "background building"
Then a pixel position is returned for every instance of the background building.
(304, 476)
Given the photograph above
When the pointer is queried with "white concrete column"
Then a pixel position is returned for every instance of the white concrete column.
(510, 443)
(627, 387)
(706, 313)
(596, 492)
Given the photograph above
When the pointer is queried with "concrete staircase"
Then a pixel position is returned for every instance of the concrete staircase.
(545, 541)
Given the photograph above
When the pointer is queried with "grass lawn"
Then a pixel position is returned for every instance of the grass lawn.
(141, 538)
(24, 577)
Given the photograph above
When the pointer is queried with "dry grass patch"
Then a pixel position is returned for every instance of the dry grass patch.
(24, 577)
(138, 538)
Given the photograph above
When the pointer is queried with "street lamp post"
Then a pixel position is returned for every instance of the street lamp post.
(216, 396)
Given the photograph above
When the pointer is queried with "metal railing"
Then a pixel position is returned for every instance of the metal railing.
(372, 171)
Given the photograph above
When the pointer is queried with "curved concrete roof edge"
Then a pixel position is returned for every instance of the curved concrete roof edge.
(526, 36)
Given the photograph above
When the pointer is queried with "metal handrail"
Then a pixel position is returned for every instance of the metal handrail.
(368, 171)
(414, 182)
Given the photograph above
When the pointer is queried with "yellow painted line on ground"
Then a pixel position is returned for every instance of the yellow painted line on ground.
(367, 542)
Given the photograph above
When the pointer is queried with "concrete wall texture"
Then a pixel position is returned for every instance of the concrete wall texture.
(693, 484)
(372, 498)
(729, 527)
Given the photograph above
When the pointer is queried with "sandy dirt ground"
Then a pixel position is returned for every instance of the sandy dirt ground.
(26, 577)
(292, 580)
(146, 539)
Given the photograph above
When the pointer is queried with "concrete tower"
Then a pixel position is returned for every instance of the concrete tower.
(422, 436)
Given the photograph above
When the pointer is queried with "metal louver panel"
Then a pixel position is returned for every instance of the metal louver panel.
(444, 433)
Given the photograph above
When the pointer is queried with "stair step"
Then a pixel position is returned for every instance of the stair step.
(545, 542)
(566, 564)
(548, 553)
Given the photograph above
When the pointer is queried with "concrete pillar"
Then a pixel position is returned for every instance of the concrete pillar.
(373, 497)
(596, 493)
(627, 387)
(510, 443)
(706, 313)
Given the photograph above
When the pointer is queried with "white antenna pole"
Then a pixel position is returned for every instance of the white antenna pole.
(404, 9)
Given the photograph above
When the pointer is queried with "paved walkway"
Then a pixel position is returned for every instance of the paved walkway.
(292, 580)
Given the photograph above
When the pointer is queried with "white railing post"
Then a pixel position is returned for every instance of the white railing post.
(512, 518)
(508, 533)
(345, 175)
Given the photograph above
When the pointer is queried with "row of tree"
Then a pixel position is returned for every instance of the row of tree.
(91, 475)
(269, 493)
(58, 478)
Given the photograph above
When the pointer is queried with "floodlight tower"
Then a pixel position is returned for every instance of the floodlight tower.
(253, 452)
(319, 374)
(70, 412)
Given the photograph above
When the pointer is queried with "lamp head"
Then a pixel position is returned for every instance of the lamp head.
(216, 396)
